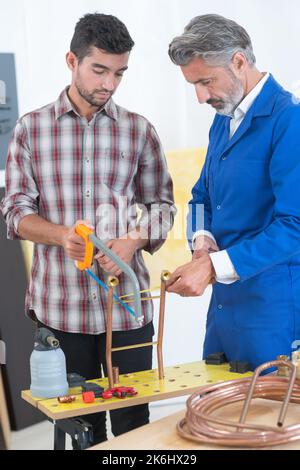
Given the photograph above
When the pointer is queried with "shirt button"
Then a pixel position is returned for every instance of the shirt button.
(87, 160)
(87, 193)
(218, 208)
(220, 307)
(94, 296)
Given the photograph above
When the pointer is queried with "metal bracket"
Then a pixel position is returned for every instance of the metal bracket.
(77, 428)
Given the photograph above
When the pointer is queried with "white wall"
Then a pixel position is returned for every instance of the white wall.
(39, 33)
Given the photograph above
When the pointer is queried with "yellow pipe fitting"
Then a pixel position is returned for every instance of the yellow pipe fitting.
(165, 275)
(112, 281)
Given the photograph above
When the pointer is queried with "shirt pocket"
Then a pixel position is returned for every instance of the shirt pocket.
(119, 169)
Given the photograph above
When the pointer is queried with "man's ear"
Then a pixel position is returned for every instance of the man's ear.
(239, 64)
(71, 60)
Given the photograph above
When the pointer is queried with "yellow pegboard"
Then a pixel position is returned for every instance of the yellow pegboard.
(179, 380)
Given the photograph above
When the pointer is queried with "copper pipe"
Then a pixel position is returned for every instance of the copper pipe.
(66, 399)
(115, 375)
(257, 372)
(165, 275)
(201, 425)
(111, 283)
(109, 338)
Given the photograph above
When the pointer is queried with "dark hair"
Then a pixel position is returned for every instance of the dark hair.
(102, 31)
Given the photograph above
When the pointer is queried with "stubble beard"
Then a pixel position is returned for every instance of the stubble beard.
(90, 97)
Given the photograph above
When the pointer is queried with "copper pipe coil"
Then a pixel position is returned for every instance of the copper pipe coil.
(201, 426)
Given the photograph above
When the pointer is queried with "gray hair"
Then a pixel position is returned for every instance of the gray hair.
(214, 39)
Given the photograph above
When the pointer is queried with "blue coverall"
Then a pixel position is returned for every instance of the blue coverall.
(250, 189)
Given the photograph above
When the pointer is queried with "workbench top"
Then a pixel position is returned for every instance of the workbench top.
(179, 380)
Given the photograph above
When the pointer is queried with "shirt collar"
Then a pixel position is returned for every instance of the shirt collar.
(63, 106)
(247, 102)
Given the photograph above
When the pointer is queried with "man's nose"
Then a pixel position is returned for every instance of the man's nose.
(203, 94)
(109, 82)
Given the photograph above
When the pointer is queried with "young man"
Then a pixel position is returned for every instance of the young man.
(83, 158)
(250, 242)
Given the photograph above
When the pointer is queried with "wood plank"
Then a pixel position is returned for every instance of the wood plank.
(4, 419)
(162, 434)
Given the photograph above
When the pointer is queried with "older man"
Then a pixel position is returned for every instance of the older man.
(250, 241)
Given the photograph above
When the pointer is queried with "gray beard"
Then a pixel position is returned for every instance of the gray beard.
(234, 99)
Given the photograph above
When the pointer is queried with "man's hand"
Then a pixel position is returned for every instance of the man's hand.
(124, 247)
(72, 243)
(203, 243)
(191, 279)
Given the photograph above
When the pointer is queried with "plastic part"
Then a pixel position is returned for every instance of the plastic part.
(75, 380)
(47, 366)
(216, 359)
(84, 232)
(48, 373)
(92, 387)
(88, 397)
(240, 367)
(127, 270)
(44, 340)
(90, 241)
(119, 392)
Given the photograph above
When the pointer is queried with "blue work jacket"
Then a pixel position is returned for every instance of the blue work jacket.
(250, 190)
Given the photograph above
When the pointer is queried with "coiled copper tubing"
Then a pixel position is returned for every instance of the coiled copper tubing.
(202, 426)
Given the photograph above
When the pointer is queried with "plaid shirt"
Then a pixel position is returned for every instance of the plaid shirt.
(64, 168)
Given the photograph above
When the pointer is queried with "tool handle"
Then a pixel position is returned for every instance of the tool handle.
(90, 241)
(84, 232)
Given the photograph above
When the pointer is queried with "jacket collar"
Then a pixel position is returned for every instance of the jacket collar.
(247, 102)
(265, 102)
(263, 105)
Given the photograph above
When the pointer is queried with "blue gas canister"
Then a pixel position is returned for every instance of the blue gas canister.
(47, 366)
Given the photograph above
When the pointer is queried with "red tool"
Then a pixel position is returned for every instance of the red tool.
(117, 392)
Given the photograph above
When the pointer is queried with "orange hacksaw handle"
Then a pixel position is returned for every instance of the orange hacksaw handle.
(83, 231)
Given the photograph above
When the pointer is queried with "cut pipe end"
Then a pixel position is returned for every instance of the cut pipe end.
(165, 275)
(112, 281)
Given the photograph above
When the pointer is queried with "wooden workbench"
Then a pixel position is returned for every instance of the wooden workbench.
(162, 434)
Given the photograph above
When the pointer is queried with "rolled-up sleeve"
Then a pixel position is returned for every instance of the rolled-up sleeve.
(154, 192)
(21, 195)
